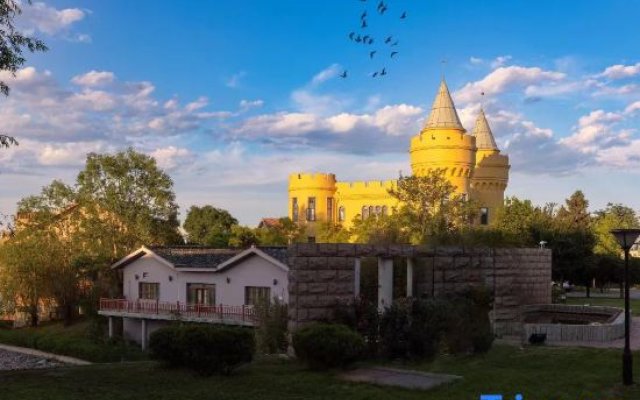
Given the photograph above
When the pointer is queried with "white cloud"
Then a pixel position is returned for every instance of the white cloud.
(326, 74)
(503, 79)
(476, 60)
(500, 61)
(170, 157)
(620, 71)
(246, 105)
(235, 80)
(43, 18)
(94, 78)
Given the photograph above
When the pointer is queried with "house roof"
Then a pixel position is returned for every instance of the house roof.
(200, 257)
(269, 223)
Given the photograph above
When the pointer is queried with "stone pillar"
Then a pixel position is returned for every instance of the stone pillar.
(356, 277)
(144, 334)
(110, 327)
(409, 277)
(385, 283)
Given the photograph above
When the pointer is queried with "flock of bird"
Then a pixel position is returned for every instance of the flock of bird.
(389, 43)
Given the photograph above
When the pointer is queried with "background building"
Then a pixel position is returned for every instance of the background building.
(472, 163)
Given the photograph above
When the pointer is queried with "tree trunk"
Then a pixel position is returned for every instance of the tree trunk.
(67, 314)
(33, 313)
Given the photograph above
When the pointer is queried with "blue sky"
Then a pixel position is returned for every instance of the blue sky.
(231, 97)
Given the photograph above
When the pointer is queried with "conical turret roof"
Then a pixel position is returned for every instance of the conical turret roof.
(483, 134)
(443, 112)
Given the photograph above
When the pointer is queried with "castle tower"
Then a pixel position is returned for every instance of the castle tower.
(312, 200)
(491, 173)
(444, 144)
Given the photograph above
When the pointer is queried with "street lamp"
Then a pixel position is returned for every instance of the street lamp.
(626, 238)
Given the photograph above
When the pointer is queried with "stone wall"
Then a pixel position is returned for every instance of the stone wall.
(323, 274)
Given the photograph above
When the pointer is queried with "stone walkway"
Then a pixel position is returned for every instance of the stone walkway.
(13, 357)
(407, 379)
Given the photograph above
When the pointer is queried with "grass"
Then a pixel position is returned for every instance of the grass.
(606, 301)
(76, 340)
(542, 373)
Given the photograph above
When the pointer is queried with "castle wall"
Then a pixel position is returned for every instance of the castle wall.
(374, 195)
(321, 275)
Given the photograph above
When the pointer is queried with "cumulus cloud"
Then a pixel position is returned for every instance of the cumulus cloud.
(326, 74)
(500, 61)
(170, 157)
(503, 79)
(620, 71)
(51, 21)
(94, 78)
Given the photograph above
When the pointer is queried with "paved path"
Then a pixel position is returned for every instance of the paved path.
(404, 378)
(4, 348)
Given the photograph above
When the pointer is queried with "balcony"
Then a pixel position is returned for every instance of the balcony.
(156, 310)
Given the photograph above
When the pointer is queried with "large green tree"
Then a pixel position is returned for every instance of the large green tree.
(13, 44)
(283, 233)
(431, 207)
(209, 226)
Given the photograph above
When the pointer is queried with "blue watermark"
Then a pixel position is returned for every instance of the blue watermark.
(499, 397)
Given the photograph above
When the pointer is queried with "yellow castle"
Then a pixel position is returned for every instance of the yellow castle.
(472, 163)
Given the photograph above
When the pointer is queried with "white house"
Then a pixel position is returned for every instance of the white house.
(196, 284)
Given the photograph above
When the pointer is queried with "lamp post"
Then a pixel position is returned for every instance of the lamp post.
(626, 238)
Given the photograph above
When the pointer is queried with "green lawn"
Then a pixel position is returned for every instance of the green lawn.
(606, 301)
(76, 340)
(543, 373)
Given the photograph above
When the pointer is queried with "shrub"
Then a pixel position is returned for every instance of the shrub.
(166, 344)
(323, 346)
(271, 333)
(413, 328)
(469, 327)
(205, 349)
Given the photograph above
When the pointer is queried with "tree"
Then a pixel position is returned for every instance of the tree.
(283, 233)
(431, 207)
(242, 237)
(209, 226)
(612, 217)
(12, 45)
(127, 201)
(329, 232)
(575, 213)
(379, 229)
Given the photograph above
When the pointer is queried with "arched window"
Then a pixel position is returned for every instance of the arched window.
(365, 212)
(371, 210)
(378, 210)
(341, 214)
(384, 210)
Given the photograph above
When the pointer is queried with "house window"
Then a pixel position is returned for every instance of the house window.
(311, 209)
(330, 209)
(484, 216)
(294, 209)
(202, 294)
(148, 291)
(341, 214)
(255, 294)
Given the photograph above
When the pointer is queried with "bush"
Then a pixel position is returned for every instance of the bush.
(206, 349)
(166, 344)
(323, 346)
(469, 327)
(271, 333)
(413, 328)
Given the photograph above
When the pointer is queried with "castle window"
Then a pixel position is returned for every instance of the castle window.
(384, 210)
(311, 209)
(341, 214)
(330, 209)
(484, 216)
(378, 210)
(294, 209)
(371, 210)
(365, 212)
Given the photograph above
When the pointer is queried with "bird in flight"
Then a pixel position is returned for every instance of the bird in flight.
(372, 53)
(383, 72)
(364, 15)
(382, 10)
(343, 74)
(365, 39)
(364, 23)
(358, 39)
(393, 53)
(388, 39)
(374, 74)
(404, 15)
(395, 43)
(370, 40)
(351, 35)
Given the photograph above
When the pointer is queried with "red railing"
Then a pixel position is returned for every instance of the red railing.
(177, 309)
